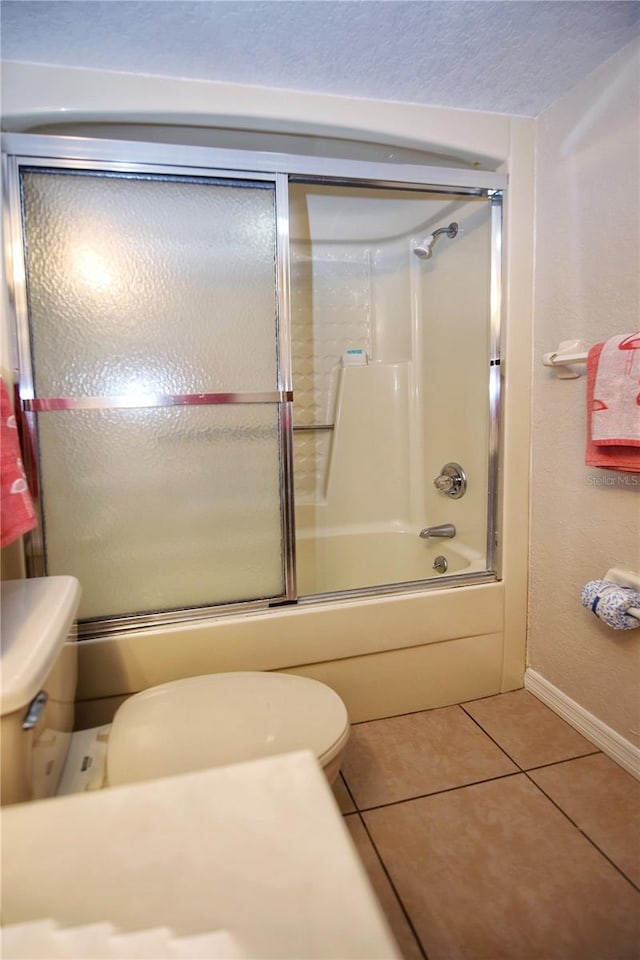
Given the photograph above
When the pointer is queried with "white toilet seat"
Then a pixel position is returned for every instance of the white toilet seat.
(223, 718)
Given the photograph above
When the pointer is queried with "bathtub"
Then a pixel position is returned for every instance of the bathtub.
(384, 654)
(340, 561)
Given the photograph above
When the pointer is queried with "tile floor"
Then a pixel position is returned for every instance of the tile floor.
(491, 830)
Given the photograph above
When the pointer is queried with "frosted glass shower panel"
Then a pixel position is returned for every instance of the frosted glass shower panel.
(144, 284)
(163, 508)
(153, 314)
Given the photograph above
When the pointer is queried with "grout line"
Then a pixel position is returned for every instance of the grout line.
(556, 763)
(411, 713)
(493, 740)
(393, 887)
(538, 766)
(580, 830)
(436, 793)
(490, 696)
(353, 799)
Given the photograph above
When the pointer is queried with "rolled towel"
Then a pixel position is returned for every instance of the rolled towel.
(610, 602)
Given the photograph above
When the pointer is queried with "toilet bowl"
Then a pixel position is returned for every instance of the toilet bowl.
(173, 728)
(216, 719)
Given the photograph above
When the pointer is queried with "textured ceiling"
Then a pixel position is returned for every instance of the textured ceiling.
(512, 56)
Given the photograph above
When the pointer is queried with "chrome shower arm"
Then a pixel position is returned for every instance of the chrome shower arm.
(451, 231)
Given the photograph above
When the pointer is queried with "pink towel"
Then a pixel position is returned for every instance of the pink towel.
(17, 514)
(613, 404)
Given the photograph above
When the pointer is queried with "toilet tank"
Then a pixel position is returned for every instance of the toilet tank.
(37, 684)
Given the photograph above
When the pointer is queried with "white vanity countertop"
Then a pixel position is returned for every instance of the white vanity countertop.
(257, 849)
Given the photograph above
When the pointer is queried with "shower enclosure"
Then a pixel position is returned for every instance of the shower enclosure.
(240, 374)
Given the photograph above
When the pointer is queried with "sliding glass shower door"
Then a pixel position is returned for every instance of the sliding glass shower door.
(161, 406)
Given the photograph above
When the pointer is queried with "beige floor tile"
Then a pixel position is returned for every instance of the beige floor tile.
(384, 891)
(340, 792)
(604, 801)
(419, 753)
(495, 871)
(527, 730)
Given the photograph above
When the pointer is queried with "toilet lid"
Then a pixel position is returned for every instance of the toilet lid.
(223, 718)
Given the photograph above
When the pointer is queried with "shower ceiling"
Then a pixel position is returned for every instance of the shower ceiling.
(505, 57)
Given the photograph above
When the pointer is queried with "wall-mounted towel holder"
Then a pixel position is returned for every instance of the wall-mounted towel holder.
(568, 352)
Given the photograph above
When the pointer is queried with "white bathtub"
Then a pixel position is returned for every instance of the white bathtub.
(385, 654)
(354, 560)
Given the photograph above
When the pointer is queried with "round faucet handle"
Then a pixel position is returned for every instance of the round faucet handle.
(452, 480)
(444, 483)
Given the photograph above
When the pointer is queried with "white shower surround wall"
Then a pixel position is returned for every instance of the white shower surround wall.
(339, 290)
(383, 655)
(420, 401)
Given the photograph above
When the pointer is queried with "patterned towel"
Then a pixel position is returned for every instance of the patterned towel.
(610, 602)
(613, 404)
(17, 514)
(615, 411)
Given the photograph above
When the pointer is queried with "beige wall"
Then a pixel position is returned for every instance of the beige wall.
(584, 520)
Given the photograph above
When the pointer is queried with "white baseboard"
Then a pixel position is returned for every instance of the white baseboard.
(615, 746)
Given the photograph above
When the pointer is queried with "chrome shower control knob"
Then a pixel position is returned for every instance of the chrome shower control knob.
(445, 484)
(452, 481)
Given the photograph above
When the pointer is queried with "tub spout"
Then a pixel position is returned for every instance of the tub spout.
(444, 530)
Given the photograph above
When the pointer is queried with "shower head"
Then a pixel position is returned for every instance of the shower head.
(424, 250)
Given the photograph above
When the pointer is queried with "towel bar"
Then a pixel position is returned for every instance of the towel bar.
(569, 352)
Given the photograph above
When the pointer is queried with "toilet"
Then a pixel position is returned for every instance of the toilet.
(173, 728)
(224, 718)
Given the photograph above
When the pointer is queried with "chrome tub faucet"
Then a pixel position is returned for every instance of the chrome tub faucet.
(442, 531)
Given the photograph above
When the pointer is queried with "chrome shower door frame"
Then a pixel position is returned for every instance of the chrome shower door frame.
(446, 181)
(133, 157)
(51, 154)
